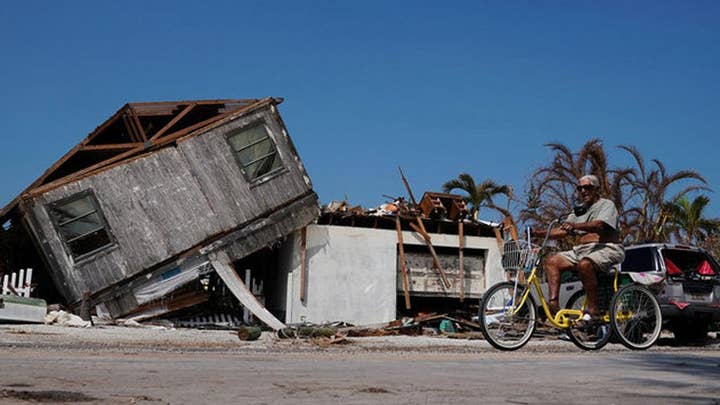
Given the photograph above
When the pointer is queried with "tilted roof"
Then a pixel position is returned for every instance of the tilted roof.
(134, 129)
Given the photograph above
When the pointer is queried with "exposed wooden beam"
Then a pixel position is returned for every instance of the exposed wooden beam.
(403, 266)
(214, 122)
(79, 173)
(54, 167)
(130, 128)
(168, 304)
(110, 121)
(420, 228)
(112, 146)
(172, 122)
(173, 136)
(75, 149)
(199, 102)
(138, 127)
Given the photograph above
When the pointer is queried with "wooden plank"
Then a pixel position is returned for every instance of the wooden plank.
(303, 266)
(403, 266)
(199, 102)
(223, 266)
(138, 126)
(130, 128)
(112, 146)
(217, 121)
(168, 304)
(102, 127)
(173, 136)
(54, 167)
(172, 122)
(461, 244)
(407, 186)
(73, 177)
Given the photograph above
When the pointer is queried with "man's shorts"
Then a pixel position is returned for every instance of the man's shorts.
(604, 255)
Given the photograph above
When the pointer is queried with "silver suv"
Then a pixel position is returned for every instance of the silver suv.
(690, 294)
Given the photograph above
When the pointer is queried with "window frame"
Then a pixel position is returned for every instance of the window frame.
(652, 254)
(52, 207)
(236, 153)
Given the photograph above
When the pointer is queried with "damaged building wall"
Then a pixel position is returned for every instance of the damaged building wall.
(169, 201)
(352, 273)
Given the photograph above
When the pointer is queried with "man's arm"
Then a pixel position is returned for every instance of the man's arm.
(556, 233)
(598, 227)
(570, 228)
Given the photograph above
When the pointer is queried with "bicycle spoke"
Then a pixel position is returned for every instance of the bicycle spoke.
(636, 317)
(505, 322)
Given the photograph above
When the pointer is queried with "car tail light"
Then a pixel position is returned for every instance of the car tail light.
(680, 305)
(672, 268)
(705, 269)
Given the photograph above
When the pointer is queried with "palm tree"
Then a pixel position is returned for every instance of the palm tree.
(639, 193)
(687, 222)
(552, 187)
(649, 201)
(479, 195)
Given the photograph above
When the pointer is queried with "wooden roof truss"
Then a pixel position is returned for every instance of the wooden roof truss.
(135, 128)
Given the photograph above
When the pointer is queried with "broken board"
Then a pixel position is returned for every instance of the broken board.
(222, 264)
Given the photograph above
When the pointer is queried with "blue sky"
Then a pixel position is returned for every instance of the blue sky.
(475, 87)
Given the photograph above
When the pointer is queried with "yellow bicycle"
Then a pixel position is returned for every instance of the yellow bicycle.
(509, 315)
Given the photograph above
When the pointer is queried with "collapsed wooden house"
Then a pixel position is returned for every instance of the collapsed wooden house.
(163, 199)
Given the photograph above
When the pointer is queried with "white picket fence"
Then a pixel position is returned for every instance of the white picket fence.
(19, 283)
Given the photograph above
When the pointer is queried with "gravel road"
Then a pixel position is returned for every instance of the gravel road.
(113, 364)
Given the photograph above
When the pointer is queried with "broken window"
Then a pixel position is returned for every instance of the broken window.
(81, 224)
(255, 151)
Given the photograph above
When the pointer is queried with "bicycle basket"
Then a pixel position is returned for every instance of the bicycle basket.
(519, 255)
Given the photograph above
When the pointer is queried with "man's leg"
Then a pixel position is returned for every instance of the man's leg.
(554, 266)
(588, 276)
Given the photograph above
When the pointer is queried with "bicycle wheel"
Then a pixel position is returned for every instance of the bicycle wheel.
(592, 337)
(576, 301)
(635, 317)
(503, 324)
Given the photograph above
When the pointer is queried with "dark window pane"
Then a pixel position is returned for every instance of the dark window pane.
(263, 166)
(90, 243)
(642, 259)
(255, 151)
(73, 209)
(248, 136)
(81, 224)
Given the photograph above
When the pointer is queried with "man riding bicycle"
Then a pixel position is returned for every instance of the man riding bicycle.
(599, 247)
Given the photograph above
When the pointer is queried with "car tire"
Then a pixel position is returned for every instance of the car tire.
(689, 331)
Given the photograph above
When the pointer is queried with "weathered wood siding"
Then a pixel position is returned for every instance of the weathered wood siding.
(167, 202)
(232, 199)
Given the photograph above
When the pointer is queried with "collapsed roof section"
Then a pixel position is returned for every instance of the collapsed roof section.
(136, 128)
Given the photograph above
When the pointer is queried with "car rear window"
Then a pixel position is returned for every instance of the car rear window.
(689, 261)
(640, 259)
